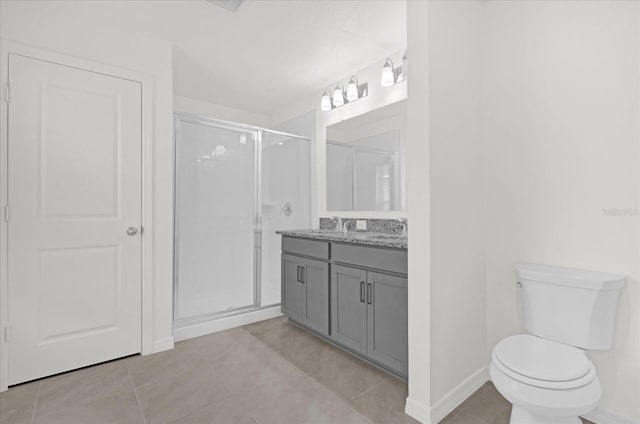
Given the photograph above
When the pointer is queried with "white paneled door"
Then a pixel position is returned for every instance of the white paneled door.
(75, 218)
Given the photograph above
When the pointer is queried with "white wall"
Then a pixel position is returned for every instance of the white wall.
(418, 181)
(560, 110)
(458, 315)
(188, 105)
(73, 29)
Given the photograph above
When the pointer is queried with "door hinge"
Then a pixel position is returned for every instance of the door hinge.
(7, 94)
(7, 333)
(6, 213)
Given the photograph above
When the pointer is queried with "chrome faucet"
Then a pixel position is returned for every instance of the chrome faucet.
(345, 227)
(403, 222)
(338, 222)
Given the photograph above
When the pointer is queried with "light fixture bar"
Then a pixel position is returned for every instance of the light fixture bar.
(341, 96)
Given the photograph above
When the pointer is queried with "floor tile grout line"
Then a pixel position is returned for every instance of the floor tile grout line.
(201, 355)
(340, 351)
(366, 390)
(135, 392)
(341, 400)
(35, 403)
(316, 383)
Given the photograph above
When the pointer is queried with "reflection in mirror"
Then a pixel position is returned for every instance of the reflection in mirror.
(364, 161)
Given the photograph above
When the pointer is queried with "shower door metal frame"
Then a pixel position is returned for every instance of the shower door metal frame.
(257, 215)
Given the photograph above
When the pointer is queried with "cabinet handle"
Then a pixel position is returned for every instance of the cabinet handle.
(303, 277)
(369, 290)
(298, 274)
(362, 291)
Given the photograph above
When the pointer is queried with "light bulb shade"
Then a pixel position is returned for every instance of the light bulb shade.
(387, 79)
(325, 103)
(338, 96)
(352, 89)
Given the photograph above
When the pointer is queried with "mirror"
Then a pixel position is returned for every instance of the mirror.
(365, 161)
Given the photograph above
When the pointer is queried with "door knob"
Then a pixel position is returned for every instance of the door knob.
(132, 231)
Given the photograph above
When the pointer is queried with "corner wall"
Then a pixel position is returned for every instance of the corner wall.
(458, 313)
(418, 403)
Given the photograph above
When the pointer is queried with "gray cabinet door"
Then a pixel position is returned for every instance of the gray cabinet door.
(348, 307)
(315, 310)
(292, 289)
(387, 320)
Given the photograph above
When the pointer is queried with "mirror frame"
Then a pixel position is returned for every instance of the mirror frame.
(378, 97)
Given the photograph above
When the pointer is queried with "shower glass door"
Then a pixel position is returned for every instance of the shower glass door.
(285, 199)
(215, 219)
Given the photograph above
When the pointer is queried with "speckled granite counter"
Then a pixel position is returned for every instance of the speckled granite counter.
(393, 241)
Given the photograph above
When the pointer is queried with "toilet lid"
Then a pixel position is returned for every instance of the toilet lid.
(542, 359)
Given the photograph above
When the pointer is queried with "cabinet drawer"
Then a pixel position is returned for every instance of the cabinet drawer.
(315, 249)
(370, 257)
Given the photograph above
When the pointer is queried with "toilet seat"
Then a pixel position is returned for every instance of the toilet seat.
(543, 363)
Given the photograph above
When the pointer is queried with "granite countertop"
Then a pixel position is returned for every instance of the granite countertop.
(365, 238)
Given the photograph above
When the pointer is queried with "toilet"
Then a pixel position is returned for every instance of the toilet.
(546, 374)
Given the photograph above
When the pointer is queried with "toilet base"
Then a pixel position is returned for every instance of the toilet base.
(522, 416)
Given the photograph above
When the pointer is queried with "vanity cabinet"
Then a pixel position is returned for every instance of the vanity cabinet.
(291, 287)
(369, 314)
(387, 320)
(361, 304)
(305, 285)
(348, 307)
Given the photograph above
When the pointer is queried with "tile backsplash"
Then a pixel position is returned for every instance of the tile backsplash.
(390, 226)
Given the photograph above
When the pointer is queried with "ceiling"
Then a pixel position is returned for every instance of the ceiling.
(271, 53)
(260, 58)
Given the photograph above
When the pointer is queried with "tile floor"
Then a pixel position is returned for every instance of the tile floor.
(268, 372)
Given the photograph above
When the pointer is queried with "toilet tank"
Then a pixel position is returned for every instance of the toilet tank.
(570, 306)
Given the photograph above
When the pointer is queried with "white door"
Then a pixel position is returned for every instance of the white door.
(74, 190)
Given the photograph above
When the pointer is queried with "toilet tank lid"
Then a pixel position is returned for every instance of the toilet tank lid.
(593, 280)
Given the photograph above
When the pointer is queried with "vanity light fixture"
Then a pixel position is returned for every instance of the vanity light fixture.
(325, 103)
(390, 75)
(354, 92)
(338, 95)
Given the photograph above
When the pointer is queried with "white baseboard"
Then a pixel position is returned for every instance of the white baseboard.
(201, 329)
(458, 394)
(162, 345)
(418, 410)
(603, 416)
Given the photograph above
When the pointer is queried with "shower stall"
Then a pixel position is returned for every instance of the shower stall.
(235, 185)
